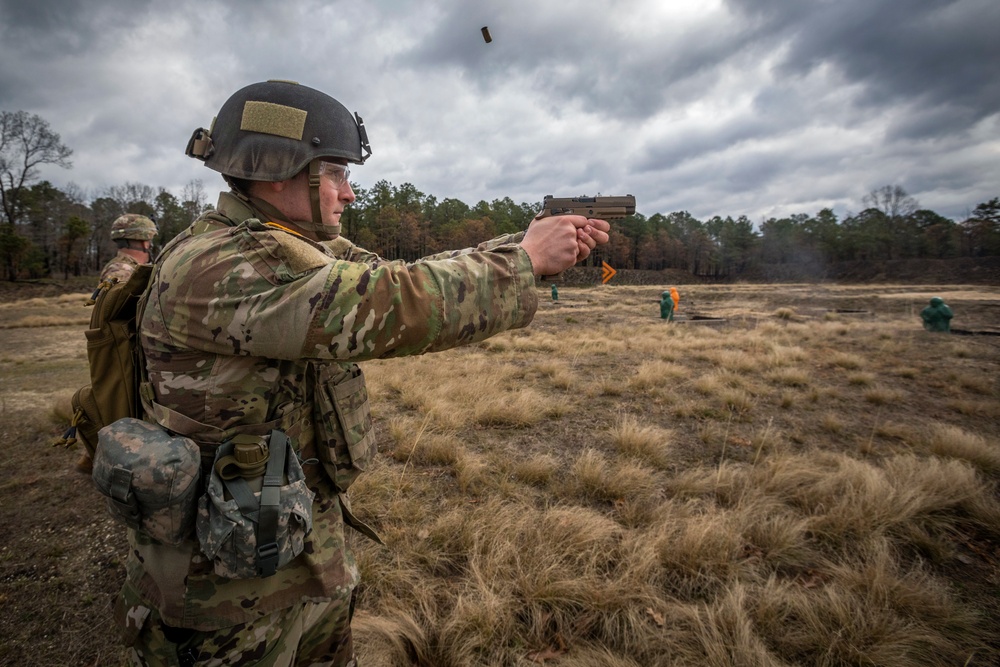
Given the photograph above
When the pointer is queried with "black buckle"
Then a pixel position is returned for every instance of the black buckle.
(267, 559)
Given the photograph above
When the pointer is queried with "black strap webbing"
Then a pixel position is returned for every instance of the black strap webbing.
(270, 499)
(265, 512)
(244, 497)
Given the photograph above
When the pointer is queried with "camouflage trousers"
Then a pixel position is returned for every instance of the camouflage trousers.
(311, 634)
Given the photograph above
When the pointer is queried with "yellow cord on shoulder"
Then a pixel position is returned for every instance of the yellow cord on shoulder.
(283, 228)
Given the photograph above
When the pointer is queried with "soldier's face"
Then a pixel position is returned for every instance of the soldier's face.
(334, 197)
(292, 198)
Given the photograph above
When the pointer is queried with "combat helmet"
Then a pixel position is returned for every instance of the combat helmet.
(133, 226)
(271, 131)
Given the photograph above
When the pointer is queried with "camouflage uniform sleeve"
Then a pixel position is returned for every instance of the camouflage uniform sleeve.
(271, 294)
(344, 249)
(485, 246)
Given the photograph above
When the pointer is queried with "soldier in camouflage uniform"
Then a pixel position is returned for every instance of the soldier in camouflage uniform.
(133, 234)
(256, 318)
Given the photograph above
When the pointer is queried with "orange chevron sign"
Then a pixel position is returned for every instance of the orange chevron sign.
(607, 272)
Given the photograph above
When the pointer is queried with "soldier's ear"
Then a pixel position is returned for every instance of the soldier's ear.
(273, 186)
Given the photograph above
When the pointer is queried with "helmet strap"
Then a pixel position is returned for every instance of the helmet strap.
(314, 191)
(323, 232)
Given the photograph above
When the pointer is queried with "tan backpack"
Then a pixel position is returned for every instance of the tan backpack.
(116, 364)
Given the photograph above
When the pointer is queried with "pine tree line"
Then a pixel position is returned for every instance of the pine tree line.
(45, 231)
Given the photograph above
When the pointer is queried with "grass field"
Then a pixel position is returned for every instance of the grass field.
(805, 478)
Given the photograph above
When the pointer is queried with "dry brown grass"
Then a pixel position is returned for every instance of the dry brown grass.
(955, 442)
(605, 489)
(36, 321)
(56, 311)
(649, 443)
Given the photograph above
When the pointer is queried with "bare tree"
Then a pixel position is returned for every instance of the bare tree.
(896, 207)
(134, 198)
(892, 200)
(194, 199)
(26, 141)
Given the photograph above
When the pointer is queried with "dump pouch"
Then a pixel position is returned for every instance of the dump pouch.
(345, 438)
(252, 527)
(149, 478)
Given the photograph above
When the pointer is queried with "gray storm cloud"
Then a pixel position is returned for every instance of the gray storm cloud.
(741, 107)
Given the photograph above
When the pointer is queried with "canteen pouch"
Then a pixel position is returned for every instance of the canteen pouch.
(345, 438)
(252, 527)
(149, 478)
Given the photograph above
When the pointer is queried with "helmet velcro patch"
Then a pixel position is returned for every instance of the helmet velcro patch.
(276, 119)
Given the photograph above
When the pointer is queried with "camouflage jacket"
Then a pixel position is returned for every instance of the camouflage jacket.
(119, 268)
(249, 327)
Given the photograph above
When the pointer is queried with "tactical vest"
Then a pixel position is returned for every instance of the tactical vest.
(335, 406)
(333, 416)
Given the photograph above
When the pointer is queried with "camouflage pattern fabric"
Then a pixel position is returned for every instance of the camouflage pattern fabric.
(311, 634)
(133, 226)
(119, 268)
(243, 319)
(159, 497)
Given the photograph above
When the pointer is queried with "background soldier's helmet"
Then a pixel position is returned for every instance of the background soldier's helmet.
(271, 131)
(133, 226)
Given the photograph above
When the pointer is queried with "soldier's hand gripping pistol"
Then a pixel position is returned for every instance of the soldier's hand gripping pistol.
(599, 208)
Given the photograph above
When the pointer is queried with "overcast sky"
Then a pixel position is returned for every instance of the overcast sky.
(717, 107)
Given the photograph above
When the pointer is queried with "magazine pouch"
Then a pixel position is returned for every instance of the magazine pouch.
(345, 438)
